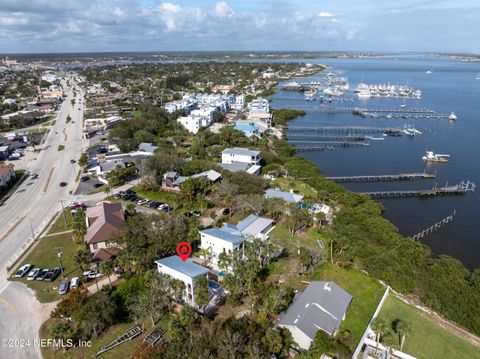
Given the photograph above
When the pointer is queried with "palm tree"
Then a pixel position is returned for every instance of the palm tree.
(107, 267)
(81, 258)
(402, 328)
(378, 325)
(205, 253)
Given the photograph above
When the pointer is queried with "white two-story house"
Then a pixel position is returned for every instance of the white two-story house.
(187, 272)
(232, 236)
(239, 154)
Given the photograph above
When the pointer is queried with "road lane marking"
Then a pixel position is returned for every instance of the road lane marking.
(48, 179)
(8, 304)
(12, 228)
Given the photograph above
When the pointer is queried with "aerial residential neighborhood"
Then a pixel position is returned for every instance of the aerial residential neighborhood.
(176, 183)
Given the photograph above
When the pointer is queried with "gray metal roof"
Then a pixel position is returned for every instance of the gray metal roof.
(235, 166)
(211, 175)
(240, 151)
(321, 306)
(253, 225)
(286, 196)
(188, 268)
(227, 236)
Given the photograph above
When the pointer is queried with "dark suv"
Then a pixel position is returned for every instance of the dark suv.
(52, 274)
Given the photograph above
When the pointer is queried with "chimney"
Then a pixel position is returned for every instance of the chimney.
(291, 191)
(328, 286)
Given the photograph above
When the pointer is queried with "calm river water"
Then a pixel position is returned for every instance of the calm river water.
(452, 86)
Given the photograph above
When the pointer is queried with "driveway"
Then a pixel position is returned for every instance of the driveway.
(21, 317)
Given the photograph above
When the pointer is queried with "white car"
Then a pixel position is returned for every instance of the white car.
(33, 274)
(141, 202)
(92, 274)
(75, 282)
(23, 270)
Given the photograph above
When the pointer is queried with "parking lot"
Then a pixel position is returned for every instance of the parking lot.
(87, 186)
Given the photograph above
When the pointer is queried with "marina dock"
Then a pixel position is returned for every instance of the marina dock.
(383, 178)
(346, 129)
(394, 113)
(459, 189)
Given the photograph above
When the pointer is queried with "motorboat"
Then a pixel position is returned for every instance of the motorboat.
(452, 117)
(435, 157)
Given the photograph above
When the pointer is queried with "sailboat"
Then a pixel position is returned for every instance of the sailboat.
(403, 104)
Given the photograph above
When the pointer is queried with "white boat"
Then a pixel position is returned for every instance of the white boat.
(428, 71)
(452, 117)
(364, 94)
(434, 157)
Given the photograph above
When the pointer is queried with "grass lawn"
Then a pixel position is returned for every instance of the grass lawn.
(427, 339)
(44, 255)
(286, 184)
(136, 113)
(59, 225)
(366, 293)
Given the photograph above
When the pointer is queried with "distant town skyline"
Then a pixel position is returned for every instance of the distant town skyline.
(40, 26)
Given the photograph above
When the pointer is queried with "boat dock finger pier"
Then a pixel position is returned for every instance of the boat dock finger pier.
(383, 178)
(435, 226)
(458, 189)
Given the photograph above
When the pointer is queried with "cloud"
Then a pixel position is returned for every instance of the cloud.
(116, 25)
(325, 14)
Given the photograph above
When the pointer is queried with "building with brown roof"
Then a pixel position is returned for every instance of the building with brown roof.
(103, 221)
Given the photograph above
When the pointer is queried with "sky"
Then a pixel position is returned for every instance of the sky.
(32, 26)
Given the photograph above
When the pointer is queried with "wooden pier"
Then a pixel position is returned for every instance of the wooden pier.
(435, 226)
(459, 189)
(331, 143)
(346, 129)
(383, 178)
(395, 113)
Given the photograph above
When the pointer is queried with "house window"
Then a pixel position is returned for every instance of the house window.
(106, 243)
(95, 246)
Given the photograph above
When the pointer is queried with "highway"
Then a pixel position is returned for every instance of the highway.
(26, 213)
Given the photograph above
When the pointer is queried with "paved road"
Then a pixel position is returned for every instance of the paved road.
(28, 210)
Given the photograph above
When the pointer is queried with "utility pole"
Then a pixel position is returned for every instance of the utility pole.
(331, 250)
(59, 255)
(63, 211)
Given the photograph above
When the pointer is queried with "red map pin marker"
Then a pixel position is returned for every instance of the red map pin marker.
(184, 249)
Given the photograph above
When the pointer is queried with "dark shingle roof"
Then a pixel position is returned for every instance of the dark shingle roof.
(321, 306)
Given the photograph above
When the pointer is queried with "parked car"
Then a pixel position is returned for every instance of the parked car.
(102, 150)
(63, 184)
(23, 270)
(52, 274)
(84, 178)
(34, 176)
(98, 184)
(42, 274)
(142, 201)
(153, 204)
(72, 161)
(192, 214)
(33, 274)
(75, 282)
(92, 274)
(64, 287)
(165, 208)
